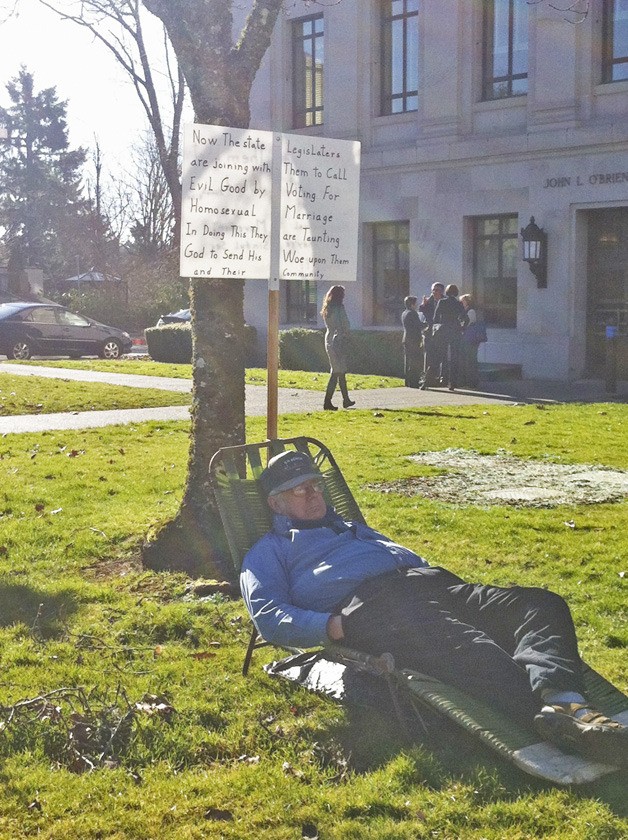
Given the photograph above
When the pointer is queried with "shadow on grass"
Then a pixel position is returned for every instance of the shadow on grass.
(423, 412)
(373, 737)
(373, 734)
(42, 611)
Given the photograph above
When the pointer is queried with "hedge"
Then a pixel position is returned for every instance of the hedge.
(173, 343)
(370, 351)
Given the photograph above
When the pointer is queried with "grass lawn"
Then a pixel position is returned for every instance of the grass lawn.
(147, 678)
(40, 395)
(254, 376)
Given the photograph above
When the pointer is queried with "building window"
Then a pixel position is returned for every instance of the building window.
(400, 56)
(391, 282)
(308, 55)
(505, 48)
(495, 249)
(615, 65)
(301, 302)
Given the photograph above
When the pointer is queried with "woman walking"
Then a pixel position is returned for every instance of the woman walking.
(336, 339)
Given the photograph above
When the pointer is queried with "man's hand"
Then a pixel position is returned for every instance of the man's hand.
(334, 628)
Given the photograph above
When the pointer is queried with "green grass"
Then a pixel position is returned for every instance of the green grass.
(254, 376)
(255, 757)
(39, 395)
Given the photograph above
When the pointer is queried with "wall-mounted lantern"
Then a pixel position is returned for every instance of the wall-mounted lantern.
(535, 252)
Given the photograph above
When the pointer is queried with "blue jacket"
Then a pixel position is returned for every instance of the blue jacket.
(293, 577)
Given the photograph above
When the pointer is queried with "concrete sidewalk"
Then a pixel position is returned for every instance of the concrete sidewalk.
(294, 401)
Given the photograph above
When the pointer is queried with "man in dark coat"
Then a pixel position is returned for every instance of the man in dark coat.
(433, 354)
(412, 350)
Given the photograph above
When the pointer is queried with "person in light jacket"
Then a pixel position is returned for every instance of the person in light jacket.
(337, 335)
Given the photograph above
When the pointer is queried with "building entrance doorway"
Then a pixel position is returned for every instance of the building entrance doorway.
(607, 287)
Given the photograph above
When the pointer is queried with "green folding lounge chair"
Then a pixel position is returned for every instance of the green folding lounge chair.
(246, 518)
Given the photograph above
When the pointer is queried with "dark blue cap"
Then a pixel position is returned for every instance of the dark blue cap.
(287, 470)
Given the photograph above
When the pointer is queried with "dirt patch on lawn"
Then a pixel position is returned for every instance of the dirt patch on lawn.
(503, 479)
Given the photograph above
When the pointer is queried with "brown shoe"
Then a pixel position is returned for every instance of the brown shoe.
(592, 734)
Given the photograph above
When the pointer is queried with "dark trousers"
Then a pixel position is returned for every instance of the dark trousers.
(433, 358)
(412, 365)
(469, 364)
(500, 645)
(336, 379)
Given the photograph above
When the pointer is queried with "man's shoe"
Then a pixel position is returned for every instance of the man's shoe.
(592, 734)
(348, 403)
(329, 406)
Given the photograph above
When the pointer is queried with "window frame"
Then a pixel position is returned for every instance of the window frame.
(301, 300)
(479, 292)
(401, 239)
(489, 81)
(387, 96)
(611, 61)
(304, 115)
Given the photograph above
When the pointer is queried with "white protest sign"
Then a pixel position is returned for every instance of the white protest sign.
(226, 202)
(320, 188)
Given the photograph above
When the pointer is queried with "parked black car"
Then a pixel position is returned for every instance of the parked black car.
(46, 329)
(183, 316)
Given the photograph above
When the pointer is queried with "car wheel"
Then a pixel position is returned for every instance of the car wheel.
(111, 349)
(20, 350)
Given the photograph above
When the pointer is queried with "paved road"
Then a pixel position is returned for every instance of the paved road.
(292, 400)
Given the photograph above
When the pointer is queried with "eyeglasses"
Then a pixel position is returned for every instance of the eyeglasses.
(315, 486)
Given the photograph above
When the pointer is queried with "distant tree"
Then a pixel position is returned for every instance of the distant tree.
(102, 233)
(41, 207)
(153, 213)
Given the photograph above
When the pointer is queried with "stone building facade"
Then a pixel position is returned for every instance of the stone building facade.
(474, 116)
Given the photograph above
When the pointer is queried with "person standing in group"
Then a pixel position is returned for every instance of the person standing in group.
(412, 335)
(336, 341)
(473, 335)
(450, 318)
(433, 356)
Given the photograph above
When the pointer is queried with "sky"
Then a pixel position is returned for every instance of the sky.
(102, 102)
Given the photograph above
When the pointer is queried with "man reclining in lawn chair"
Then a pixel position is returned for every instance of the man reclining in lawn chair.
(315, 579)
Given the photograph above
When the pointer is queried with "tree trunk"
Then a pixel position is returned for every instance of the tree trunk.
(219, 75)
(194, 541)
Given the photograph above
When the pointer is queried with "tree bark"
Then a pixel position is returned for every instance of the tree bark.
(219, 75)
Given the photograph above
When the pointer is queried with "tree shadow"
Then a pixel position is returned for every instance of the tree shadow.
(44, 612)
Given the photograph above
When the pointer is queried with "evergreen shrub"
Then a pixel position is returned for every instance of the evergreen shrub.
(173, 343)
(370, 351)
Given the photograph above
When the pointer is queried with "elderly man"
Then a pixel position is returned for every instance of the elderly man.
(315, 579)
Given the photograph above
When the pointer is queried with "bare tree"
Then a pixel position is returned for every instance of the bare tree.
(219, 70)
(153, 212)
(113, 197)
(118, 25)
